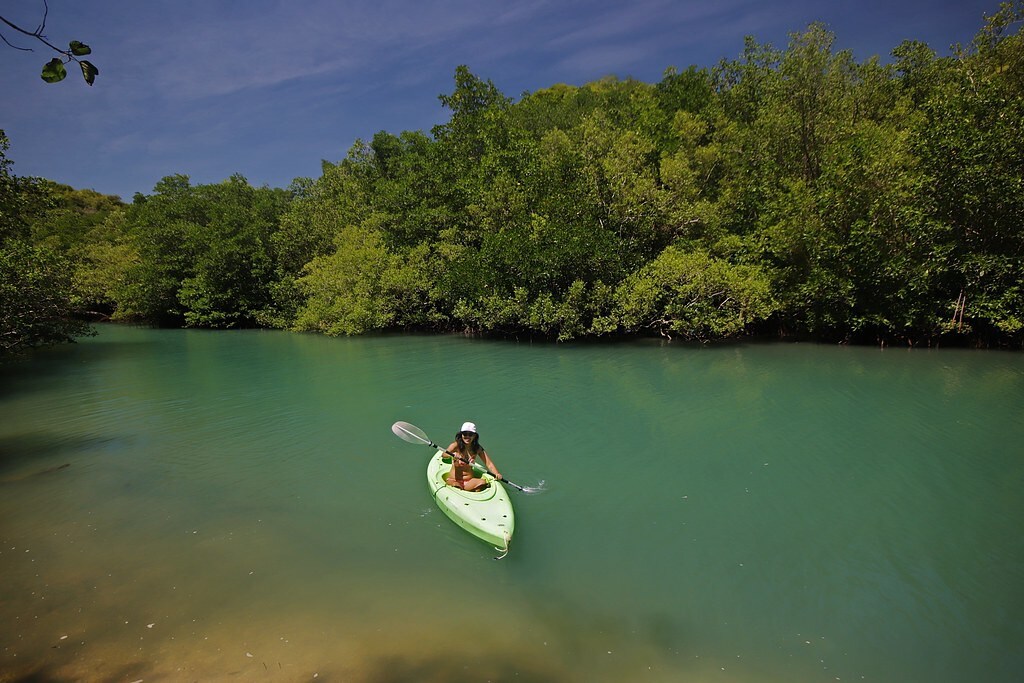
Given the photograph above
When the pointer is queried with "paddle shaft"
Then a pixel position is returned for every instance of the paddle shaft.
(404, 431)
(473, 464)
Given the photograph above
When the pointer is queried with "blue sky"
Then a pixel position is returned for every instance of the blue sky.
(269, 88)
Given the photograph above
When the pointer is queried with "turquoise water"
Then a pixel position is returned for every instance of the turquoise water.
(190, 505)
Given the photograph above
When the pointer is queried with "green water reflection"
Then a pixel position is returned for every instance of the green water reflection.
(186, 505)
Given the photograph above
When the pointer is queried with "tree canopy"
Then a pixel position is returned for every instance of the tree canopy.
(788, 192)
(36, 295)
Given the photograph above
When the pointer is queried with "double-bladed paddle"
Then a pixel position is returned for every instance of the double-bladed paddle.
(413, 434)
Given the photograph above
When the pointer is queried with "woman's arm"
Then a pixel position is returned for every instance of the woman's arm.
(489, 464)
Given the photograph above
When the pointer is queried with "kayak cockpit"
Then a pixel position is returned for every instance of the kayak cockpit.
(487, 513)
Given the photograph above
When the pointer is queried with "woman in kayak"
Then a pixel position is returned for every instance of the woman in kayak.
(467, 448)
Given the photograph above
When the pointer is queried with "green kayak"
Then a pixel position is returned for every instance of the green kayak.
(486, 514)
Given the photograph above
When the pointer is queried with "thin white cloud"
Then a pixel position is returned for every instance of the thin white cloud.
(273, 43)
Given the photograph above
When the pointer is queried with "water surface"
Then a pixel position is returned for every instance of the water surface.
(192, 505)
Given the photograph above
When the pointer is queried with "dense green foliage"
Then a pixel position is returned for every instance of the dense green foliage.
(787, 192)
(202, 256)
(36, 302)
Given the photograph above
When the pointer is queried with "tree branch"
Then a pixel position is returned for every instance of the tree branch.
(54, 70)
(37, 34)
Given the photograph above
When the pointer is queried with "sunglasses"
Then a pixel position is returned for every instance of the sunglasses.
(467, 433)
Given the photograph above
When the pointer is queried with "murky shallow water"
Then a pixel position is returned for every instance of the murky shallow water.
(183, 505)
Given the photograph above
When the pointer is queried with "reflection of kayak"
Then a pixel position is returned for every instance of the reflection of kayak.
(486, 514)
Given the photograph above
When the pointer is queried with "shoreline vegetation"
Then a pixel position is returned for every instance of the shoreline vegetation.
(789, 193)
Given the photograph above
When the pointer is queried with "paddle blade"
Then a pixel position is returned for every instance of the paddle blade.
(410, 433)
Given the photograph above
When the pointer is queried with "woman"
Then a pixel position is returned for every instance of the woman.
(467, 450)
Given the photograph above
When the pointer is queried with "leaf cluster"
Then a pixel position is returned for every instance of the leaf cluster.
(54, 70)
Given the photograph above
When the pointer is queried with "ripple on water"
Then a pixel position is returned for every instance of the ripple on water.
(235, 506)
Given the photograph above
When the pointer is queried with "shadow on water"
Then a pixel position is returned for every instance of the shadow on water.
(47, 674)
(454, 668)
(582, 629)
(19, 449)
(391, 669)
(41, 367)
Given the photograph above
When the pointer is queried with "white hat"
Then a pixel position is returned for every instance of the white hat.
(468, 427)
